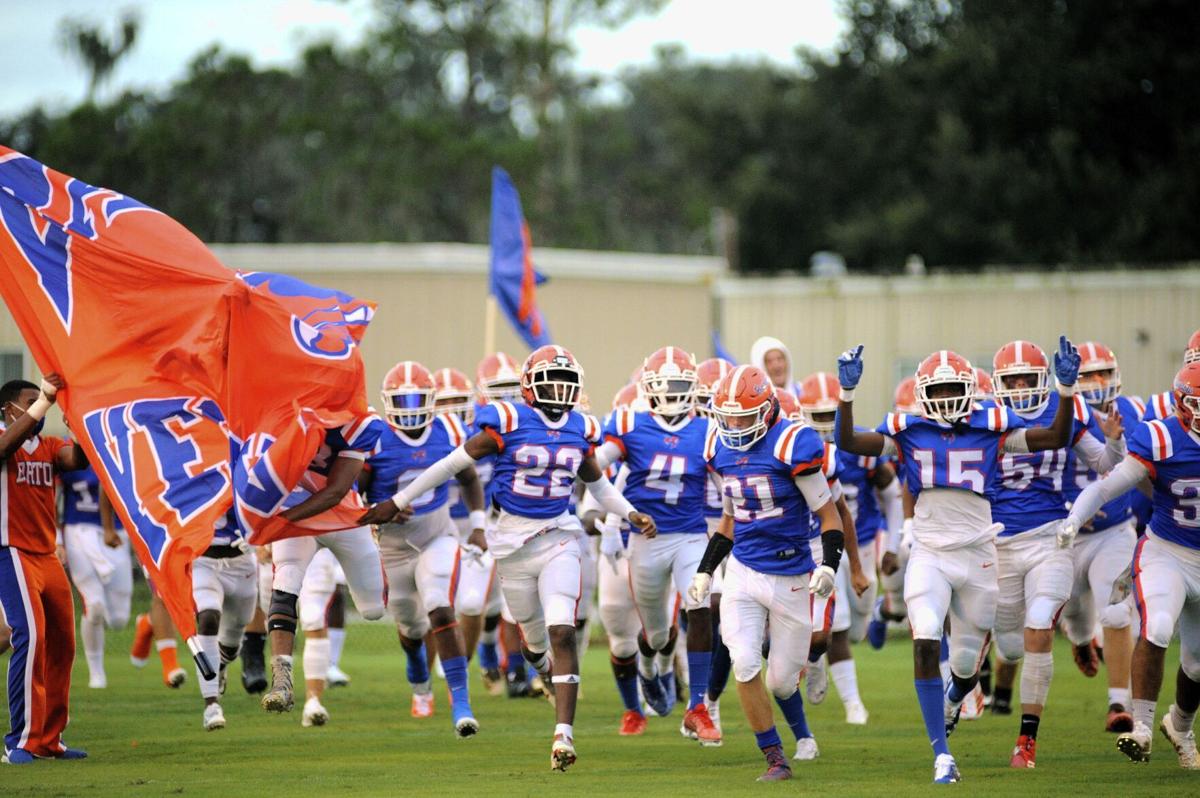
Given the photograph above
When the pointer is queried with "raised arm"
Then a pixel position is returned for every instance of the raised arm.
(24, 426)
(1058, 434)
(850, 369)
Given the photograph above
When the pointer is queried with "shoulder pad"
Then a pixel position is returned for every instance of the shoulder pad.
(509, 418)
(896, 422)
(591, 428)
(1083, 413)
(454, 429)
(1162, 447)
(710, 440)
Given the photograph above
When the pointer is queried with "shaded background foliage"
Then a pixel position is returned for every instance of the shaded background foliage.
(969, 131)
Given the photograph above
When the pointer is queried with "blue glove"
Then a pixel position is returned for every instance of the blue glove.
(850, 367)
(1066, 362)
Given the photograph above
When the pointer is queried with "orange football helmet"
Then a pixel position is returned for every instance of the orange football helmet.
(551, 380)
(983, 384)
(1021, 358)
(905, 398)
(1192, 353)
(453, 393)
(789, 405)
(498, 378)
(668, 382)
(945, 387)
(745, 407)
(708, 374)
(1099, 375)
(629, 398)
(408, 395)
(819, 400)
(1187, 396)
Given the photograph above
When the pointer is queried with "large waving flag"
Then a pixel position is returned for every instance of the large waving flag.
(513, 280)
(188, 385)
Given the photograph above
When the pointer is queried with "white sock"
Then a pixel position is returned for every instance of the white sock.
(316, 658)
(542, 665)
(664, 663)
(646, 666)
(423, 688)
(944, 667)
(91, 629)
(337, 639)
(1119, 695)
(159, 645)
(845, 680)
(581, 639)
(1143, 711)
(1035, 677)
(1182, 721)
(209, 688)
(565, 729)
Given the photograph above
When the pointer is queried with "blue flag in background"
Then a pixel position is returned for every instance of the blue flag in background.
(719, 349)
(512, 277)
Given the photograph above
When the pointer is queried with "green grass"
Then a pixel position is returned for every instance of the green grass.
(146, 740)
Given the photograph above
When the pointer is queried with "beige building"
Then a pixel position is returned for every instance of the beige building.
(612, 309)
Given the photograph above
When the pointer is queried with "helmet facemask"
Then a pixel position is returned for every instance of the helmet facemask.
(951, 408)
(741, 428)
(553, 390)
(1099, 388)
(409, 408)
(1029, 399)
(669, 397)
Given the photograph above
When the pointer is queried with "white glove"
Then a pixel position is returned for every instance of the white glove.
(821, 582)
(1066, 533)
(1122, 586)
(471, 551)
(698, 591)
(611, 547)
(241, 544)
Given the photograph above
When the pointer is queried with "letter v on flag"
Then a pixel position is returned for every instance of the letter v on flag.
(512, 279)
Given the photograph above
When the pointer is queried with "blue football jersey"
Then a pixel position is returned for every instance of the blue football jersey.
(1079, 475)
(483, 470)
(399, 459)
(227, 530)
(1173, 459)
(856, 473)
(771, 519)
(534, 473)
(668, 474)
(1031, 488)
(964, 456)
(81, 497)
(1160, 406)
(361, 436)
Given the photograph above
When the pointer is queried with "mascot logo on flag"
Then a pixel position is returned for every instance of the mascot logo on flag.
(322, 328)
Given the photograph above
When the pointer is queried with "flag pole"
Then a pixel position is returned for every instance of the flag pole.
(489, 325)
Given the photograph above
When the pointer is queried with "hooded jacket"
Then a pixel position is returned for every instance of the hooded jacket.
(758, 356)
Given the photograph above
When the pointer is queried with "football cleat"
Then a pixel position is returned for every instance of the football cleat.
(1184, 743)
(175, 679)
(422, 705)
(493, 681)
(714, 711)
(279, 698)
(254, 669)
(945, 770)
(1001, 706)
(465, 727)
(1118, 720)
(70, 754)
(670, 687)
(97, 681)
(877, 628)
(652, 691)
(214, 717)
(1086, 659)
(633, 723)
(17, 756)
(562, 753)
(973, 704)
(517, 687)
(777, 765)
(816, 682)
(952, 712)
(856, 713)
(222, 679)
(1136, 744)
(806, 749)
(314, 713)
(336, 677)
(697, 725)
(1024, 755)
(143, 636)
(538, 688)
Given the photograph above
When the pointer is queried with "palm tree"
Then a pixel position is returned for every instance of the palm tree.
(99, 54)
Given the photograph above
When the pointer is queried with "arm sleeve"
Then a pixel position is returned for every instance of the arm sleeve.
(889, 447)
(441, 471)
(619, 484)
(815, 489)
(1100, 457)
(1125, 477)
(893, 511)
(608, 496)
(608, 453)
(836, 491)
(1014, 442)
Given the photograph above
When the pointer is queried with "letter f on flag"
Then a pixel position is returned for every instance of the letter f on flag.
(513, 280)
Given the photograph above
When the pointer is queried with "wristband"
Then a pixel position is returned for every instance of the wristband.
(477, 519)
(832, 543)
(1065, 391)
(845, 394)
(37, 410)
(718, 547)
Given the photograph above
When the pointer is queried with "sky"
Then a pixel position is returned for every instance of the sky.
(273, 32)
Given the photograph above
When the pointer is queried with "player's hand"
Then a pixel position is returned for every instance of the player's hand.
(471, 551)
(859, 581)
(612, 549)
(820, 584)
(242, 545)
(698, 590)
(890, 563)
(850, 367)
(478, 540)
(112, 539)
(61, 554)
(380, 513)
(644, 523)
(264, 554)
(1066, 533)
(1122, 586)
(1112, 426)
(51, 385)
(1066, 362)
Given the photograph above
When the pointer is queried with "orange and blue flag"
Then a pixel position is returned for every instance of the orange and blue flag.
(513, 280)
(193, 388)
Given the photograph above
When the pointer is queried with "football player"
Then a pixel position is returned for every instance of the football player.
(316, 595)
(771, 472)
(99, 563)
(663, 449)
(1162, 405)
(950, 457)
(541, 448)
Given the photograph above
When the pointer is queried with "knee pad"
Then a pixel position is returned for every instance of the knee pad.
(288, 578)
(622, 647)
(658, 639)
(964, 659)
(208, 622)
(746, 665)
(1159, 628)
(371, 610)
(1189, 663)
(1116, 616)
(1041, 612)
(118, 620)
(282, 614)
(1010, 646)
(925, 623)
(312, 614)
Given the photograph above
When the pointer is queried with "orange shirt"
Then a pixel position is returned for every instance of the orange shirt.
(27, 500)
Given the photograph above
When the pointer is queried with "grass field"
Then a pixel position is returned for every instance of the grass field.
(146, 740)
